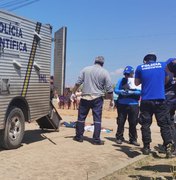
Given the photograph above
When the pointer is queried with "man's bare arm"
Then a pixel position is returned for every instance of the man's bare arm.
(75, 88)
(110, 96)
(137, 81)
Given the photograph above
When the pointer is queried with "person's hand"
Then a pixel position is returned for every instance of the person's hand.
(111, 104)
(124, 93)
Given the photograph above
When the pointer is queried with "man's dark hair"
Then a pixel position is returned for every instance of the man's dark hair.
(149, 57)
(172, 66)
(99, 60)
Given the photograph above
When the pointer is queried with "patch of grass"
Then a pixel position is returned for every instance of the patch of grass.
(147, 168)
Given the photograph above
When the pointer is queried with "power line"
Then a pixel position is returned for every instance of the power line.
(23, 5)
(126, 37)
(2, 0)
(11, 3)
(14, 4)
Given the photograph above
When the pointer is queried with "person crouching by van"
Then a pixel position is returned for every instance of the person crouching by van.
(127, 106)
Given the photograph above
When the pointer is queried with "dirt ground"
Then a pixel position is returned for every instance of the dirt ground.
(52, 155)
(154, 166)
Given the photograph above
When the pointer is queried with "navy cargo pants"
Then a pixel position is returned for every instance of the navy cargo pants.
(84, 107)
(161, 111)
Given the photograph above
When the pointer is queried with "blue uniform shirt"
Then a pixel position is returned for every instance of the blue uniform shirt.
(152, 76)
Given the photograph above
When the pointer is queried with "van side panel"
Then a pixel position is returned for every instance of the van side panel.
(25, 60)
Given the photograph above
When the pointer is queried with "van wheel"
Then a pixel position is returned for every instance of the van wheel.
(14, 129)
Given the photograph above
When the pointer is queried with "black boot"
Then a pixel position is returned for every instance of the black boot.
(146, 149)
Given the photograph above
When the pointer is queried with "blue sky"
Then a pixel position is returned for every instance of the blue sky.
(123, 31)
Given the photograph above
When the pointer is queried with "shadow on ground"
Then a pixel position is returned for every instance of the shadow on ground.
(140, 177)
(36, 135)
(127, 149)
(85, 138)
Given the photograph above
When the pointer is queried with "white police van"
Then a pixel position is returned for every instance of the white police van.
(25, 63)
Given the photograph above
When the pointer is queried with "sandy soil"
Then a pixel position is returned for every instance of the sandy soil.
(46, 155)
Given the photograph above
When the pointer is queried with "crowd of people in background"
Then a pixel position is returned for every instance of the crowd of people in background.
(65, 102)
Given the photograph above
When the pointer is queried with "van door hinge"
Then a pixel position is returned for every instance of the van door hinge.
(4, 86)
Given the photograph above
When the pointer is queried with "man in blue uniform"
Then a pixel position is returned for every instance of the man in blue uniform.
(152, 76)
(96, 82)
(127, 106)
